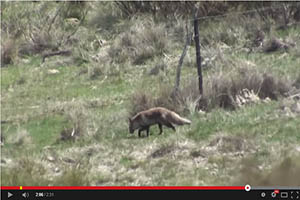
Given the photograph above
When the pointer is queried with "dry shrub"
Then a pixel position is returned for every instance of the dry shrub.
(143, 40)
(140, 101)
(178, 102)
(95, 72)
(159, 65)
(163, 151)
(296, 83)
(40, 41)
(8, 52)
(229, 32)
(73, 176)
(76, 113)
(286, 173)
(275, 44)
(227, 144)
(221, 90)
(21, 138)
(27, 171)
(68, 134)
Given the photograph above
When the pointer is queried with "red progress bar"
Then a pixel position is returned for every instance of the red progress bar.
(123, 188)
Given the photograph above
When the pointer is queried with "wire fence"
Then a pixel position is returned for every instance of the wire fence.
(239, 13)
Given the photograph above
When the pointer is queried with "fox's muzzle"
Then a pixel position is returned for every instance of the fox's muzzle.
(131, 131)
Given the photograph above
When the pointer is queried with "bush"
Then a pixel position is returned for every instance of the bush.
(39, 42)
(180, 102)
(144, 40)
(286, 172)
(221, 90)
(105, 19)
(8, 52)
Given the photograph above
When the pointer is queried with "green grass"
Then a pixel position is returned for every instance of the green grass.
(46, 131)
(248, 121)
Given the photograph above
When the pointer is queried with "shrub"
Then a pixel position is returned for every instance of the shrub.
(179, 102)
(140, 101)
(284, 172)
(73, 176)
(144, 40)
(29, 172)
(39, 42)
(8, 53)
(220, 90)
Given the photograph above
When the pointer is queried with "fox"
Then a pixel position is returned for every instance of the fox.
(157, 115)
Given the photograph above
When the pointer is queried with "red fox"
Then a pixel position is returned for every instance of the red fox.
(158, 115)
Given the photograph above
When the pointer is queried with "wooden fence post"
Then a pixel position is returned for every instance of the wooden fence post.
(198, 55)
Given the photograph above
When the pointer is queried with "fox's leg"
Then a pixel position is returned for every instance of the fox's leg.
(160, 128)
(168, 124)
(140, 130)
(147, 130)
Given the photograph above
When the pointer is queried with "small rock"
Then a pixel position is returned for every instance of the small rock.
(90, 152)
(26, 61)
(56, 170)
(68, 160)
(50, 158)
(296, 107)
(73, 21)
(53, 71)
(267, 100)
(201, 112)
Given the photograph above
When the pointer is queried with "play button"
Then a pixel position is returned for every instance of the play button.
(9, 194)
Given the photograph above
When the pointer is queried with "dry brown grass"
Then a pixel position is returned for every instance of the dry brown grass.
(8, 52)
(284, 173)
(143, 100)
(144, 40)
(220, 90)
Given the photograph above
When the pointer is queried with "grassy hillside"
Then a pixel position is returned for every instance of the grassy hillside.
(65, 121)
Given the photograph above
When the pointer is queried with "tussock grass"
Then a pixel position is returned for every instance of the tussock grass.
(220, 90)
(8, 52)
(284, 172)
(72, 177)
(22, 138)
(144, 40)
(29, 173)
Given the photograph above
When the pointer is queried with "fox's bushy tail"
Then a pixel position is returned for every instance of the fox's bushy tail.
(176, 119)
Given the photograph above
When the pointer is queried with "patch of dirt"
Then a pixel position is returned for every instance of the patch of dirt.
(275, 44)
(227, 144)
(198, 153)
(290, 107)
(162, 151)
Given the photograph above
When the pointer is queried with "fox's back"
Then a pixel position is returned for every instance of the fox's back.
(157, 115)
(152, 115)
